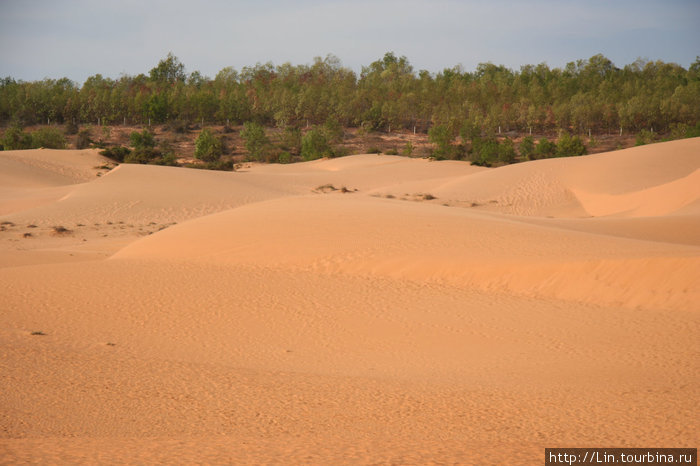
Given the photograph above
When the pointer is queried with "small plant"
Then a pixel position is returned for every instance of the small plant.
(208, 147)
(60, 231)
(569, 146)
(38, 333)
(393, 151)
(314, 145)
(527, 148)
(71, 128)
(408, 149)
(644, 137)
(374, 150)
(545, 148)
(116, 153)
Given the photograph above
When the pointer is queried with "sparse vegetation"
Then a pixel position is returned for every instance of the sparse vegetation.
(208, 147)
(60, 231)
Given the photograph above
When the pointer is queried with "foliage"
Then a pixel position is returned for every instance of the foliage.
(143, 140)
(545, 148)
(568, 146)
(314, 145)
(16, 139)
(644, 137)
(208, 147)
(527, 148)
(116, 153)
(84, 139)
(590, 94)
(506, 151)
(408, 149)
(485, 151)
(291, 140)
(442, 136)
(284, 157)
(50, 138)
(256, 141)
(71, 128)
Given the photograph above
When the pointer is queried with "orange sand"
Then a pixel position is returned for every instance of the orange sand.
(250, 317)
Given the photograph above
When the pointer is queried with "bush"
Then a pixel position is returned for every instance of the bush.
(84, 139)
(545, 148)
(116, 153)
(527, 148)
(333, 130)
(374, 150)
(644, 137)
(142, 156)
(51, 138)
(143, 140)
(284, 157)
(485, 151)
(506, 151)
(208, 147)
(569, 146)
(291, 140)
(16, 139)
(442, 137)
(408, 149)
(256, 141)
(314, 145)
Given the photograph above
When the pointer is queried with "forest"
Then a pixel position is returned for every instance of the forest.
(586, 98)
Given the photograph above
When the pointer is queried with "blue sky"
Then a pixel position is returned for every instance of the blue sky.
(80, 38)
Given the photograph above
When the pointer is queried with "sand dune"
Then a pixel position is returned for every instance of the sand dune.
(431, 312)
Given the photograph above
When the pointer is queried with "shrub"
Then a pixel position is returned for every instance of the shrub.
(51, 138)
(408, 149)
(568, 146)
(485, 151)
(374, 150)
(208, 147)
(506, 151)
(442, 137)
(333, 130)
(143, 140)
(527, 148)
(284, 157)
(84, 139)
(291, 140)
(545, 148)
(116, 153)
(644, 137)
(314, 145)
(256, 141)
(393, 151)
(16, 139)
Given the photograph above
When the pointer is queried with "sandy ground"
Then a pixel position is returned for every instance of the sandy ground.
(368, 309)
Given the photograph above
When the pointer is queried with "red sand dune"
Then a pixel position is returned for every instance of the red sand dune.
(251, 317)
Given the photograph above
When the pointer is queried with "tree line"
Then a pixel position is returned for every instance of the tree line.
(585, 96)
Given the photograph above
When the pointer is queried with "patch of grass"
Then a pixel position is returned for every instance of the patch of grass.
(27, 235)
(7, 223)
(38, 333)
(390, 196)
(31, 225)
(427, 197)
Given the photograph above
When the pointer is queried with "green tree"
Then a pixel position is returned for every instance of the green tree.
(16, 139)
(168, 70)
(256, 141)
(442, 136)
(545, 148)
(568, 145)
(208, 147)
(50, 138)
(314, 145)
(527, 148)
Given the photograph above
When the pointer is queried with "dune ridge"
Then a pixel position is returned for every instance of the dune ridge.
(428, 312)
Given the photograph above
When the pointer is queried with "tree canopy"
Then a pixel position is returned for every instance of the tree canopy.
(585, 95)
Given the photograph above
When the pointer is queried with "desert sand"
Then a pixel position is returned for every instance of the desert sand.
(366, 309)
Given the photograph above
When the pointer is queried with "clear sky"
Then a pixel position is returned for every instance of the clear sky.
(80, 38)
